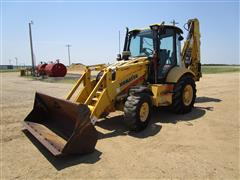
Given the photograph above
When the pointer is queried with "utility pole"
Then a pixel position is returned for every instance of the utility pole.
(31, 45)
(16, 62)
(119, 42)
(174, 22)
(69, 60)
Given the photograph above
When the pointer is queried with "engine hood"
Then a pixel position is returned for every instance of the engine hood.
(128, 62)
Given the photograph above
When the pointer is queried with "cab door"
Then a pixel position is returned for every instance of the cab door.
(167, 54)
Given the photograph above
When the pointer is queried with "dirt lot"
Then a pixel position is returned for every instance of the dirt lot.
(201, 144)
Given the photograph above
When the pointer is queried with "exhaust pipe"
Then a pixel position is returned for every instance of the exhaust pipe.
(63, 127)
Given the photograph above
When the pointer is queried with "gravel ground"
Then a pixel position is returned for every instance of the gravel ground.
(201, 144)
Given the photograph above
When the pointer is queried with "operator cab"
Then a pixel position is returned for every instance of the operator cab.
(161, 44)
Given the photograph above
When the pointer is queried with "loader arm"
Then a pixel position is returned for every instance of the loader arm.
(191, 49)
(100, 96)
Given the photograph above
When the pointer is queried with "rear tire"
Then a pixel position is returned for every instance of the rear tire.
(137, 111)
(184, 95)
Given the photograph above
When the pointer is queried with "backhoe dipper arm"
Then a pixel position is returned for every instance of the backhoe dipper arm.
(191, 48)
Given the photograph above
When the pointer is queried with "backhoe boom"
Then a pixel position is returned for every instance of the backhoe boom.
(191, 49)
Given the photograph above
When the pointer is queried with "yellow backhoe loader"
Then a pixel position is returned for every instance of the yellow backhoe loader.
(152, 71)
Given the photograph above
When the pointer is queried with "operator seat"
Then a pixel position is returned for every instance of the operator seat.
(164, 56)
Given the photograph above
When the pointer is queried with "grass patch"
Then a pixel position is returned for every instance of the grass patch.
(9, 70)
(219, 69)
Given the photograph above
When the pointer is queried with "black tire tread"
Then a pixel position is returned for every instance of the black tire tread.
(177, 104)
(131, 109)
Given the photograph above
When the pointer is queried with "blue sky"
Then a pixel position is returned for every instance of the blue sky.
(92, 28)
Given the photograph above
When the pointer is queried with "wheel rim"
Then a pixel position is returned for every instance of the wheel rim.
(144, 112)
(187, 95)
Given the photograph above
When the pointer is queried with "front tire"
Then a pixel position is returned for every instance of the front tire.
(184, 95)
(137, 111)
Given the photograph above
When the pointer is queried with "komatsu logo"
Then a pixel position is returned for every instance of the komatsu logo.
(135, 76)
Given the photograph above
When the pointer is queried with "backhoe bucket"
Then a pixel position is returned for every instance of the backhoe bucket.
(63, 127)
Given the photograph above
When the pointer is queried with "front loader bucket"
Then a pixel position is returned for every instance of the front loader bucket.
(63, 127)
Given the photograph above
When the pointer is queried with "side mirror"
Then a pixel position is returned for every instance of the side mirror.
(119, 58)
(180, 38)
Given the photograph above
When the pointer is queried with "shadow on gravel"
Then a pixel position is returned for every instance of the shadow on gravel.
(118, 128)
(159, 115)
(206, 99)
(65, 161)
(164, 116)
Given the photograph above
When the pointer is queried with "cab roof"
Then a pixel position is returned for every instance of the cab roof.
(177, 29)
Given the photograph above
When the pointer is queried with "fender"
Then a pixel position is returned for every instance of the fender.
(176, 73)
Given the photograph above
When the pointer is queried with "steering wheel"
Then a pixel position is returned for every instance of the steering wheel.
(146, 51)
